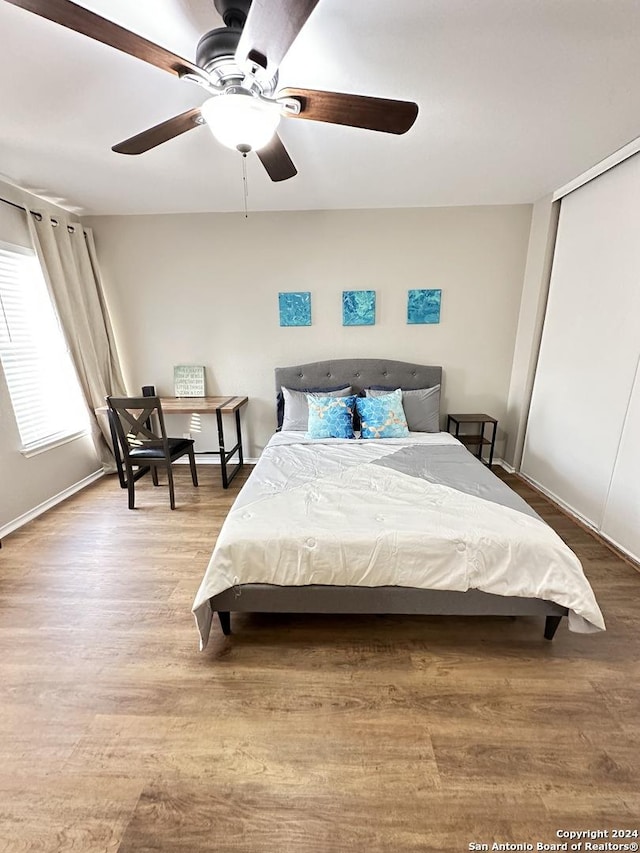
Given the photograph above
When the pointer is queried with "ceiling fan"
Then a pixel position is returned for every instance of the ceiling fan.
(238, 66)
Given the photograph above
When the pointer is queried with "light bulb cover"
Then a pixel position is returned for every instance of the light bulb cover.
(237, 119)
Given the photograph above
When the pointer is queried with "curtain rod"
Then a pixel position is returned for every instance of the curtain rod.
(20, 206)
(54, 221)
(13, 203)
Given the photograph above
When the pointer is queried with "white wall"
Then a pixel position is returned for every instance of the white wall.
(27, 483)
(203, 288)
(544, 223)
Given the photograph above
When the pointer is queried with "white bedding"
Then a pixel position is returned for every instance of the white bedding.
(315, 512)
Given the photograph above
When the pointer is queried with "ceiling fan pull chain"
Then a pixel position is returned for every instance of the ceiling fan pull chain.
(244, 184)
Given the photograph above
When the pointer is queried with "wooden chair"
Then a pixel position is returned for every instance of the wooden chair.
(143, 447)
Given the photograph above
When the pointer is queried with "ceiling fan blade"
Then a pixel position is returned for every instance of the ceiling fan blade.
(160, 133)
(381, 114)
(270, 29)
(275, 159)
(77, 18)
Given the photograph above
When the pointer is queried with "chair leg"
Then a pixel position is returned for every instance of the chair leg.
(130, 488)
(172, 498)
(154, 475)
(192, 465)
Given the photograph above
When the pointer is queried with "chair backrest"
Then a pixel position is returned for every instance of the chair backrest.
(135, 419)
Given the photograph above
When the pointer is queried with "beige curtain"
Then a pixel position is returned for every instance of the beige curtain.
(68, 259)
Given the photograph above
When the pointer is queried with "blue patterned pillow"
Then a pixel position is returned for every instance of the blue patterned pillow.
(330, 417)
(383, 416)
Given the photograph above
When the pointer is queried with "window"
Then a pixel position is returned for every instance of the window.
(42, 382)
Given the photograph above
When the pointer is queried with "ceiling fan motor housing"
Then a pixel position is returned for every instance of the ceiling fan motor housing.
(217, 44)
(233, 12)
(216, 55)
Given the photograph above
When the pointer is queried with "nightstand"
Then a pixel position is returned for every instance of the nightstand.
(477, 440)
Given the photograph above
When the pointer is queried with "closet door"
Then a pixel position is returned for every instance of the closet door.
(621, 522)
(590, 344)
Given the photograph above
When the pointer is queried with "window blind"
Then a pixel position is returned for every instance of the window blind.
(40, 376)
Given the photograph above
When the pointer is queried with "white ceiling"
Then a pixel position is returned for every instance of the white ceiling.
(516, 98)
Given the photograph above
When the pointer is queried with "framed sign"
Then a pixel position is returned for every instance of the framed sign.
(188, 380)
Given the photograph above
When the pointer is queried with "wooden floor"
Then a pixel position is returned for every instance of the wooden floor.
(296, 734)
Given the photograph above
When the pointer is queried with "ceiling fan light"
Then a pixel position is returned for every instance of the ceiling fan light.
(240, 121)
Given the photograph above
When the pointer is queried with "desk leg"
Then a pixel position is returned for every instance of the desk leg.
(223, 455)
(239, 439)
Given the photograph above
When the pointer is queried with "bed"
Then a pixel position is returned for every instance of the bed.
(408, 525)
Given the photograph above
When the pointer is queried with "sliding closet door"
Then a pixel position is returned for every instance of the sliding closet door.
(590, 343)
(621, 522)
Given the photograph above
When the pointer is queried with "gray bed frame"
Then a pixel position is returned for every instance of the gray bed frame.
(267, 598)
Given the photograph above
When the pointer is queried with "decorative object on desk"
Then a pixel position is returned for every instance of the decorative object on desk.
(295, 308)
(423, 306)
(188, 380)
(358, 307)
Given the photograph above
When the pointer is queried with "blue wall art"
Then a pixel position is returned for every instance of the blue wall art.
(423, 306)
(295, 309)
(358, 307)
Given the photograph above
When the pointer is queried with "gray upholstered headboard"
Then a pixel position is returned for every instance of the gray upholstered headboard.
(359, 373)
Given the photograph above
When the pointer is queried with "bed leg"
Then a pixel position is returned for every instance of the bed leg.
(225, 621)
(551, 626)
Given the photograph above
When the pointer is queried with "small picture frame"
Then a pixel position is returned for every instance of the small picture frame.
(358, 307)
(423, 306)
(295, 308)
(188, 380)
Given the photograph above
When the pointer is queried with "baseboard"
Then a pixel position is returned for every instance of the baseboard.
(51, 502)
(630, 558)
(618, 549)
(508, 468)
(560, 503)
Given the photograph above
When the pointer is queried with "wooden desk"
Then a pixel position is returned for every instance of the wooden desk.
(208, 406)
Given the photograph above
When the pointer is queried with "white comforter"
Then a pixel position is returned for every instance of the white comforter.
(316, 513)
